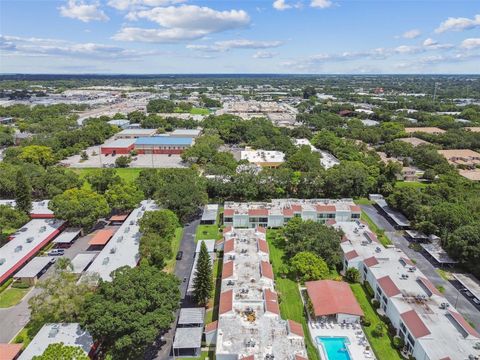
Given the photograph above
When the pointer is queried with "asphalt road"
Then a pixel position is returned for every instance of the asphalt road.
(183, 269)
(453, 295)
(13, 319)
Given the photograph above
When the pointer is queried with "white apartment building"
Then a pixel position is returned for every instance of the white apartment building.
(249, 324)
(430, 326)
(278, 212)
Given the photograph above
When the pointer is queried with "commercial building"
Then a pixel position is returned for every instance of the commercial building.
(135, 133)
(263, 158)
(123, 247)
(70, 334)
(279, 211)
(249, 325)
(26, 243)
(191, 133)
(39, 209)
(162, 144)
(118, 147)
(430, 326)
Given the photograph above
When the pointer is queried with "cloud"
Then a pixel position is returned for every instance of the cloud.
(322, 4)
(411, 34)
(471, 43)
(80, 10)
(180, 23)
(430, 44)
(57, 47)
(407, 49)
(458, 24)
(221, 46)
(281, 5)
(127, 4)
(264, 55)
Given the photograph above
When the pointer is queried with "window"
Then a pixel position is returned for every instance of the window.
(355, 216)
(298, 215)
(263, 219)
(227, 219)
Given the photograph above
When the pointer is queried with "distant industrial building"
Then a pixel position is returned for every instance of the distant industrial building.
(135, 133)
(263, 158)
(162, 145)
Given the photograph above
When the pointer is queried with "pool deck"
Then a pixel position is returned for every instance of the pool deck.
(356, 349)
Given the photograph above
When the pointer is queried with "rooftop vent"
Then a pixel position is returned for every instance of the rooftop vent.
(105, 261)
(30, 239)
(18, 248)
(120, 238)
(113, 250)
(43, 228)
(2, 261)
(54, 330)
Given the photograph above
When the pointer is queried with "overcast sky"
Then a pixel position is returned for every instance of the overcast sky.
(248, 36)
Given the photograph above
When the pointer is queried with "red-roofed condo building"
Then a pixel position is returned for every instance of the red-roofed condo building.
(430, 326)
(249, 325)
(278, 212)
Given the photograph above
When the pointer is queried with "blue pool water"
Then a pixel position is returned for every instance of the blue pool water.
(335, 347)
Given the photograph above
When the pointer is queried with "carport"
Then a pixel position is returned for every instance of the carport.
(34, 269)
(188, 341)
(67, 237)
(101, 238)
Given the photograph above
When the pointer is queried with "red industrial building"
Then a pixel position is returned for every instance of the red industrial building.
(118, 147)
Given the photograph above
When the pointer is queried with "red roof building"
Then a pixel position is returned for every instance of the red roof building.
(388, 286)
(351, 255)
(227, 270)
(295, 328)
(228, 212)
(464, 324)
(326, 208)
(266, 270)
(414, 324)
(330, 297)
(271, 302)
(430, 287)
(226, 302)
(211, 326)
(257, 212)
(371, 261)
(229, 246)
(10, 351)
(262, 246)
(101, 237)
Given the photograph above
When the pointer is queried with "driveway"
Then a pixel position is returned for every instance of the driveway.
(13, 319)
(183, 269)
(455, 297)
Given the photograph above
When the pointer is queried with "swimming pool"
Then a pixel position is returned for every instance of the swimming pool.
(335, 347)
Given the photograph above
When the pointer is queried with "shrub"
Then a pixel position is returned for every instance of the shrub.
(398, 342)
(378, 331)
(352, 275)
(365, 321)
(375, 304)
(20, 285)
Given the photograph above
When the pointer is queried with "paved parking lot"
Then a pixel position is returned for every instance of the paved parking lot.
(453, 295)
(95, 160)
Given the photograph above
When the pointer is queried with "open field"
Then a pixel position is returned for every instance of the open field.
(382, 346)
(410, 184)
(207, 232)
(127, 174)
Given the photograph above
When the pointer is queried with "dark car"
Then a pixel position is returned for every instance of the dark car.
(179, 255)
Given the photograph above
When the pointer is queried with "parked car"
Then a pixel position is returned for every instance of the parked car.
(179, 255)
(56, 252)
(476, 301)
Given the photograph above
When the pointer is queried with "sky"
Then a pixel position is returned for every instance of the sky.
(248, 36)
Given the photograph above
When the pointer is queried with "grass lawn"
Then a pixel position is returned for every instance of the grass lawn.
(381, 346)
(291, 305)
(212, 312)
(380, 233)
(127, 174)
(12, 296)
(410, 184)
(170, 265)
(199, 111)
(207, 232)
(205, 354)
(363, 201)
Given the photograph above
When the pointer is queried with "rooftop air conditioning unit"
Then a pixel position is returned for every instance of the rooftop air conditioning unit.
(18, 248)
(2, 261)
(43, 228)
(30, 239)
(120, 238)
(113, 250)
(105, 261)
(55, 329)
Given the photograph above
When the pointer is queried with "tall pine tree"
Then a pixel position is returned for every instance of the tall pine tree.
(23, 193)
(203, 284)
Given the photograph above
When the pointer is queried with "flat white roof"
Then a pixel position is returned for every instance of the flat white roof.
(191, 316)
(81, 261)
(34, 266)
(69, 334)
(120, 143)
(188, 338)
(26, 242)
(136, 132)
(185, 132)
(38, 207)
(209, 243)
(262, 156)
(67, 236)
(123, 247)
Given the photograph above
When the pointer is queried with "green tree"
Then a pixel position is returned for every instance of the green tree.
(309, 266)
(80, 207)
(352, 275)
(308, 92)
(23, 193)
(123, 197)
(37, 154)
(101, 180)
(464, 245)
(123, 161)
(155, 249)
(59, 351)
(162, 222)
(305, 160)
(202, 283)
(313, 237)
(61, 299)
(128, 313)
